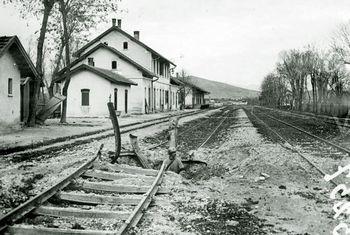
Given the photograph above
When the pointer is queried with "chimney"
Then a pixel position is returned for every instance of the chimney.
(137, 35)
(119, 23)
(114, 21)
(177, 75)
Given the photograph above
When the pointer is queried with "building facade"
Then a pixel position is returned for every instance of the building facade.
(147, 68)
(17, 74)
(191, 95)
(91, 88)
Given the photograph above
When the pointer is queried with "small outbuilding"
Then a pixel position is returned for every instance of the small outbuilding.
(191, 93)
(17, 74)
(92, 87)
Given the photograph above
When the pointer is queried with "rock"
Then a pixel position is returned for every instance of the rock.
(234, 167)
(265, 175)
(260, 178)
(282, 187)
(317, 188)
(232, 222)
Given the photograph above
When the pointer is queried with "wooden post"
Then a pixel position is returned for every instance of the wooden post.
(117, 137)
(135, 146)
(173, 125)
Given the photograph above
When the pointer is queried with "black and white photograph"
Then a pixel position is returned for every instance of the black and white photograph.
(175, 117)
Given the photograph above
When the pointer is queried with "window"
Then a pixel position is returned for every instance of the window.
(125, 45)
(85, 99)
(114, 64)
(166, 97)
(161, 69)
(91, 61)
(9, 86)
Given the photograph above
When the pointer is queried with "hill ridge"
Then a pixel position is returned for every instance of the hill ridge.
(223, 90)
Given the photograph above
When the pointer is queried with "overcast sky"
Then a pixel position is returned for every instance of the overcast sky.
(230, 41)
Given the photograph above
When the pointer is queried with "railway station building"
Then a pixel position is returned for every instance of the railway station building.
(116, 52)
(17, 74)
(191, 92)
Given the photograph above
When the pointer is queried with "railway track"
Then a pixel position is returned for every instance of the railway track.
(193, 128)
(94, 191)
(22, 154)
(334, 121)
(94, 194)
(312, 148)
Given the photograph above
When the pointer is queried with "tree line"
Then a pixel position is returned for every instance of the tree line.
(310, 76)
(65, 26)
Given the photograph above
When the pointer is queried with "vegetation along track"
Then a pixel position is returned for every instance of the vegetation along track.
(323, 154)
(20, 154)
(97, 198)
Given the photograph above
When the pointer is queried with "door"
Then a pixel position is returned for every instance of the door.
(115, 99)
(126, 101)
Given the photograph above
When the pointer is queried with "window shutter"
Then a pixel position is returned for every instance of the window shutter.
(9, 86)
(85, 99)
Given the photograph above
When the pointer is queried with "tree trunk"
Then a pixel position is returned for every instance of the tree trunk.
(57, 66)
(48, 4)
(63, 10)
(314, 95)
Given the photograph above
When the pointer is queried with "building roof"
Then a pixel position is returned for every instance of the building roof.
(119, 30)
(189, 82)
(176, 81)
(105, 73)
(13, 45)
(115, 51)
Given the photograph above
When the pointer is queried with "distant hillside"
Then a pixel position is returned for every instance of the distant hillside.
(222, 90)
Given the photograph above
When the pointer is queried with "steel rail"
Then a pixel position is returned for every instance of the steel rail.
(292, 148)
(327, 119)
(101, 135)
(182, 133)
(31, 204)
(138, 212)
(312, 135)
(217, 127)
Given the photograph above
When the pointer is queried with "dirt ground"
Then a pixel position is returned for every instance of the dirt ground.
(21, 180)
(52, 129)
(251, 186)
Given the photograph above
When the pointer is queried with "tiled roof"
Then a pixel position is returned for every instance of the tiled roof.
(115, 28)
(13, 45)
(105, 73)
(115, 51)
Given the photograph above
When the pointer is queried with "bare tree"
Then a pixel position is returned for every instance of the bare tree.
(38, 8)
(274, 90)
(185, 89)
(341, 42)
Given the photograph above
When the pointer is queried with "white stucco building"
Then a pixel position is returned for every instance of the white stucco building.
(91, 88)
(17, 73)
(127, 56)
(190, 91)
